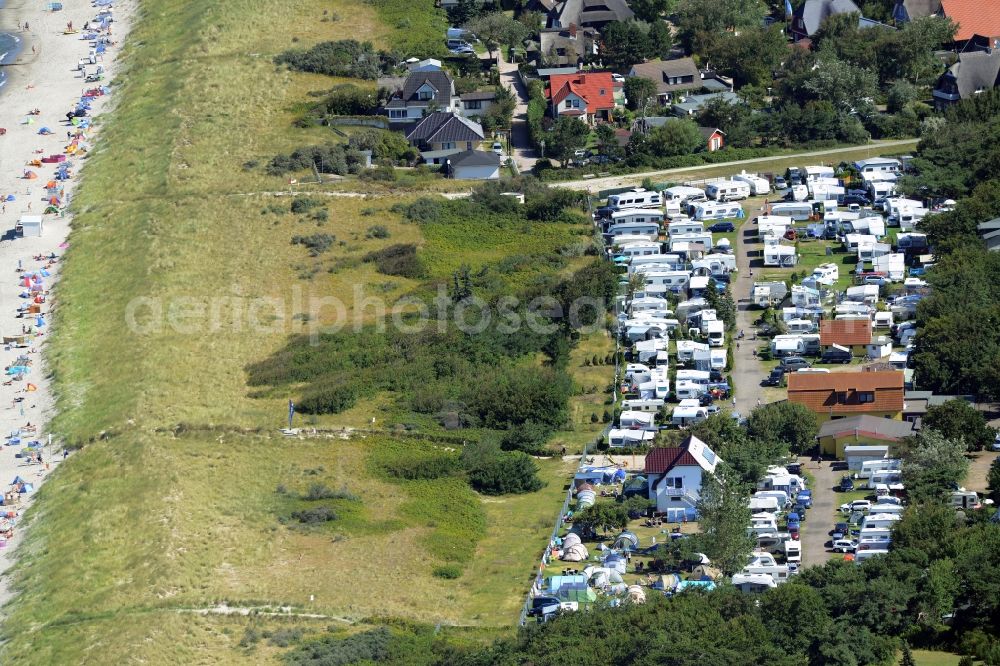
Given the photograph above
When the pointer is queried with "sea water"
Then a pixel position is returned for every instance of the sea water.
(9, 46)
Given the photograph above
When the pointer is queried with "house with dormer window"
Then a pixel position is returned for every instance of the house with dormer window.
(675, 476)
(587, 95)
(422, 93)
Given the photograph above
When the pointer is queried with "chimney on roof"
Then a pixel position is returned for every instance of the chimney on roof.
(572, 30)
(583, 79)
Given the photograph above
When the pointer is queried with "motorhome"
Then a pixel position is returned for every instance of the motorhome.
(716, 333)
(636, 198)
(801, 326)
(640, 420)
(823, 191)
(797, 211)
(884, 477)
(688, 390)
(758, 185)
(711, 210)
(675, 281)
(703, 377)
(881, 189)
(684, 195)
(883, 319)
(826, 274)
(728, 190)
(793, 551)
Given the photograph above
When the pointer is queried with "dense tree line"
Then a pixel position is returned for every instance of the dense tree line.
(958, 343)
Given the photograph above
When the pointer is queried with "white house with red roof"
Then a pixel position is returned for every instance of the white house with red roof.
(675, 475)
(589, 96)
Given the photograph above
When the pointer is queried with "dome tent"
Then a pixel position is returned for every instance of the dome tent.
(636, 594)
(571, 539)
(626, 541)
(575, 553)
(585, 498)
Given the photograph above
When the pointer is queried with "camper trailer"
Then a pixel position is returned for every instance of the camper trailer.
(684, 195)
(685, 226)
(797, 211)
(688, 412)
(826, 274)
(728, 190)
(636, 198)
(879, 520)
(710, 210)
(812, 173)
(864, 555)
(965, 499)
(643, 230)
(758, 185)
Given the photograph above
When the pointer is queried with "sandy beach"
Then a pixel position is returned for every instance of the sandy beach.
(44, 77)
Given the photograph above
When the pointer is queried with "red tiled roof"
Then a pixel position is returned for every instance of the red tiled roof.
(585, 85)
(845, 332)
(974, 17)
(840, 392)
(664, 459)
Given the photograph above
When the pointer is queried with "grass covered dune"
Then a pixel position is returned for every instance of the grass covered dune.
(150, 524)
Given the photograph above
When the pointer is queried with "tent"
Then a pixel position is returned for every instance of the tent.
(45, 131)
(575, 553)
(706, 585)
(18, 370)
(707, 572)
(571, 539)
(578, 592)
(667, 582)
(585, 498)
(604, 577)
(626, 541)
(556, 583)
(615, 561)
(636, 594)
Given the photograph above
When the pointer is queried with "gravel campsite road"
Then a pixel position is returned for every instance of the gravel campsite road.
(821, 516)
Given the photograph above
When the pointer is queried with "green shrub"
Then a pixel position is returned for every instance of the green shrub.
(377, 231)
(331, 158)
(448, 571)
(495, 472)
(302, 205)
(317, 514)
(317, 244)
(327, 399)
(400, 260)
(333, 650)
(345, 57)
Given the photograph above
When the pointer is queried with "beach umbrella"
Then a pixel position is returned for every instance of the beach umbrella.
(10, 197)
(26, 281)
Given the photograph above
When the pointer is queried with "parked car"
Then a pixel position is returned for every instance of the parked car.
(844, 545)
(856, 506)
(780, 183)
(722, 227)
(880, 280)
(918, 271)
(804, 497)
(792, 363)
(841, 531)
(794, 468)
(995, 446)
(541, 606)
(800, 510)
(498, 148)
(836, 356)
(846, 484)
(775, 378)
(857, 199)
(602, 159)
(793, 532)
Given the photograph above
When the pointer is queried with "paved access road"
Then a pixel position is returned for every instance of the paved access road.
(610, 182)
(823, 513)
(521, 151)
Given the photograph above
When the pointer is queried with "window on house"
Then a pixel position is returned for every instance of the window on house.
(603, 92)
(448, 145)
(473, 104)
(866, 396)
(561, 52)
(425, 95)
(842, 397)
(397, 113)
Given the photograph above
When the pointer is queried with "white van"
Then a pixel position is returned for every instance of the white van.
(728, 190)
(684, 195)
(716, 211)
(636, 198)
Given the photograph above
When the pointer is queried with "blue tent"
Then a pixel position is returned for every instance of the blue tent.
(18, 370)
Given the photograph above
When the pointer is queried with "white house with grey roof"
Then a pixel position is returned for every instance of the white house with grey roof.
(440, 135)
(475, 165)
(422, 92)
